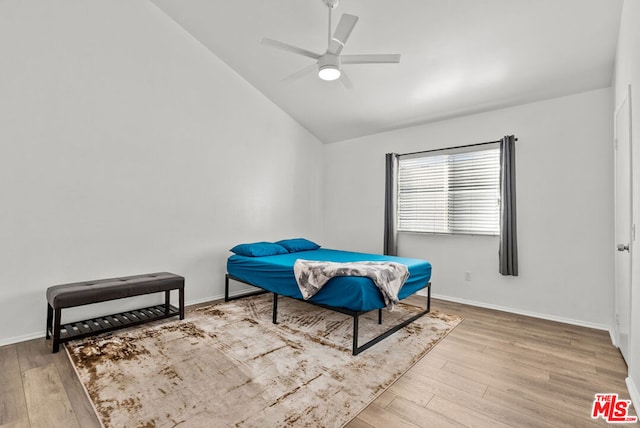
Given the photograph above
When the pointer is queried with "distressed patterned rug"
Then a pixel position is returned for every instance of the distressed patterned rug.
(228, 365)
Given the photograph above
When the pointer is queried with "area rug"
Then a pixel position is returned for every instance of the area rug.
(228, 365)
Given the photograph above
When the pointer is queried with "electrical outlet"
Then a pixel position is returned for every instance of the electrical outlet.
(467, 276)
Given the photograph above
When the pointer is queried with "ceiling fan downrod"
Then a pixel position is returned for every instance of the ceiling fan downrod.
(330, 5)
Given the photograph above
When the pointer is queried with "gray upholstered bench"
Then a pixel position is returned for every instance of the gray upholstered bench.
(83, 293)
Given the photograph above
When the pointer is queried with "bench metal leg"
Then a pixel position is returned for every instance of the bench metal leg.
(167, 302)
(49, 321)
(55, 346)
(181, 302)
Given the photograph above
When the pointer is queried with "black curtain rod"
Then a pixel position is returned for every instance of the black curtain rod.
(452, 148)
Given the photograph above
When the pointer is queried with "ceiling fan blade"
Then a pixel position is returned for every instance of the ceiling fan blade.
(342, 33)
(290, 48)
(370, 59)
(346, 82)
(298, 74)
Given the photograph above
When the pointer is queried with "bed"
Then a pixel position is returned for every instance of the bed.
(350, 295)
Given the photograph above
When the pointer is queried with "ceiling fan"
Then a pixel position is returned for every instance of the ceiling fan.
(329, 64)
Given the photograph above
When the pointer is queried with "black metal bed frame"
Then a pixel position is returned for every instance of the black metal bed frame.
(354, 314)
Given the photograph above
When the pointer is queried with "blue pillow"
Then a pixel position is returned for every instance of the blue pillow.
(298, 244)
(259, 249)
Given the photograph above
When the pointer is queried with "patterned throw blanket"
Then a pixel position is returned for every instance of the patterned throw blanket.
(389, 277)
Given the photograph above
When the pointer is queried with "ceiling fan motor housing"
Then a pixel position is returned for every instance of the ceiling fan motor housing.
(329, 60)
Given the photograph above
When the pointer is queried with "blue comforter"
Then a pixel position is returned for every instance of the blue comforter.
(275, 274)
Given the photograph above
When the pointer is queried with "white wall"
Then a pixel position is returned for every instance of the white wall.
(565, 208)
(628, 73)
(126, 147)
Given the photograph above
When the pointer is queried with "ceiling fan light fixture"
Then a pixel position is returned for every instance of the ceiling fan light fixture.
(329, 72)
(329, 67)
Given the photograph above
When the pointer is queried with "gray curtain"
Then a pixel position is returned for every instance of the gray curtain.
(390, 201)
(508, 251)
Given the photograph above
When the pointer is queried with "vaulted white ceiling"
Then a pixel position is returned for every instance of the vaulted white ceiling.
(458, 56)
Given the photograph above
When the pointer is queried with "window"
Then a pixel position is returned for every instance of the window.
(450, 192)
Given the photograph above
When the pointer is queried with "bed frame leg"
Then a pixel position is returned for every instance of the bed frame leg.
(357, 350)
(355, 334)
(275, 308)
(379, 316)
(228, 297)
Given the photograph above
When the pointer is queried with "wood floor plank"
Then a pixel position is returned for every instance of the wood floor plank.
(482, 367)
(419, 415)
(33, 353)
(13, 406)
(418, 394)
(599, 346)
(377, 417)
(358, 423)
(47, 399)
(505, 414)
(462, 414)
(518, 329)
(549, 415)
(529, 340)
(77, 396)
(454, 345)
(385, 398)
(471, 343)
(504, 338)
(560, 398)
(537, 359)
(613, 364)
(432, 373)
(20, 423)
(432, 360)
(610, 374)
(539, 390)
(590, 384)
(557, 351)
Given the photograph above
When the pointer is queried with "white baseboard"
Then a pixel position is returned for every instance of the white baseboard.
(633, 392)
(613, 335)
(203, 300)
(23, 338)
(527, 313)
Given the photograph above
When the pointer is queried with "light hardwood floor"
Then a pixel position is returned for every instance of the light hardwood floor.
(494, 370)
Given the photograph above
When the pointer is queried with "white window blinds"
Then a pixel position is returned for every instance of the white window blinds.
(457, 192)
